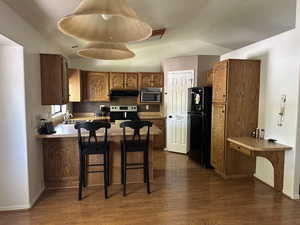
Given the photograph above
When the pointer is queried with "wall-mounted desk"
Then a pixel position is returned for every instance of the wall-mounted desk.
(272, 151)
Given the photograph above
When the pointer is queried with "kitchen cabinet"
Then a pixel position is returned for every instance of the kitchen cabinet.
(131, 81)
(54, 80)
(151, 80)
(220, 72)
(218, 136)
(235, 114)
(160, 140)
(210, 77)
(124, 81)
(96, 86)
(75, 89)
(117, 81)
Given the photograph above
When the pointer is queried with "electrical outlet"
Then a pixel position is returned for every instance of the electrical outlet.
(147, 107)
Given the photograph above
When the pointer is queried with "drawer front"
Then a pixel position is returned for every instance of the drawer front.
(240, 149)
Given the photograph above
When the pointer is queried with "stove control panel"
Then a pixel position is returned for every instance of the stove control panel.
(123, 108)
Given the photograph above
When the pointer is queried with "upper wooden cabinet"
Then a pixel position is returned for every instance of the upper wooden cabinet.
(116, 81)
(151, 80)
(128, 81)
(210, 77)
(220, 73)
(75, 89)
(131, 81)
(96, 86)
(54, 80)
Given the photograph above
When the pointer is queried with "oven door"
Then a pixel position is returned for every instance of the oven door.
(154, 97)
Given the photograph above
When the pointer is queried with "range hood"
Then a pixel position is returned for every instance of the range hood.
(120, 93)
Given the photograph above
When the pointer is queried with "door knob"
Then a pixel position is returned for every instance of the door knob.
(170, 117)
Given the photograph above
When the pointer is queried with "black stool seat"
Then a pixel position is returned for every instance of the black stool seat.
(92, 146)
(137, 144)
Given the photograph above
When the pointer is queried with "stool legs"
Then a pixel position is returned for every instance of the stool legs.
(81, 176)
(107, 166)
(105, 175)
(83, 171)
(124, 172)
(85, 165)
(146, 165)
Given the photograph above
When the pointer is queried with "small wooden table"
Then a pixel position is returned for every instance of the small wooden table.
(257, 147)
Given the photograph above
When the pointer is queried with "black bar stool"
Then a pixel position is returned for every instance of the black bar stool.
(91, 145)
(136, 144)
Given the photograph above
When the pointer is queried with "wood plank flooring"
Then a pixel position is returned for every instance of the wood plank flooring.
(182, 194)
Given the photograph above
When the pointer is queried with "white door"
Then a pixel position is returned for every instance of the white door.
(176, 103)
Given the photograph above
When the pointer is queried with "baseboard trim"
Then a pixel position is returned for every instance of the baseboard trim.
(34, 200)
(14, 208)
(296, 196)
(26, 206)
(237, 176)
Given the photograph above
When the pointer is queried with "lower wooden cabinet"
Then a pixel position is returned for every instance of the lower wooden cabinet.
(160, 140)
(96, 86)
(218, 137)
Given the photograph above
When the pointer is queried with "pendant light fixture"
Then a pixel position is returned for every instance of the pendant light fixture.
(106, 51)
(105, 21)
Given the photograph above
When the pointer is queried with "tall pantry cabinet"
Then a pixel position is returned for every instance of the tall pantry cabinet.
(235, 114)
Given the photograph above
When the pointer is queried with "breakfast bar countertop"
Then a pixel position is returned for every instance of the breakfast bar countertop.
(68, 131)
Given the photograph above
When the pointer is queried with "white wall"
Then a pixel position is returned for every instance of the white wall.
(279, 75)
(18, 30)
(13, 154)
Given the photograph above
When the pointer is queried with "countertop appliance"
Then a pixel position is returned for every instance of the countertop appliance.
(46, 127)
(123, 112)
(199, 124)
(151, 95)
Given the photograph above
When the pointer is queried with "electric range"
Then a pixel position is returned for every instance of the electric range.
(123, 112)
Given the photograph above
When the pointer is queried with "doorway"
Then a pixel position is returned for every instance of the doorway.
(178, 83)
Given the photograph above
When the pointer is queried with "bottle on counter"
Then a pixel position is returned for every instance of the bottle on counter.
(262, 134)
(257, 133)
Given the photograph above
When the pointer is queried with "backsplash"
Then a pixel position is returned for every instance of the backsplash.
(87, 107)
(91, 107)
(152, 108)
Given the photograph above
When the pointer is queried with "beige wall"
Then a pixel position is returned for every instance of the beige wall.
(205, 63)
(200, 65)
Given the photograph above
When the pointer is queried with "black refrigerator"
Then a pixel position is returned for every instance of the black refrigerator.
(199, 125)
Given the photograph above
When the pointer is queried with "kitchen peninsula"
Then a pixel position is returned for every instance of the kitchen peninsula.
(61, 157)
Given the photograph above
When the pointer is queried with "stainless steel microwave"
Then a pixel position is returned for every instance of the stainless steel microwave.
(151, 95)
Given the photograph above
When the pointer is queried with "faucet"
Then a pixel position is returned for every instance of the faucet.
(67, 116)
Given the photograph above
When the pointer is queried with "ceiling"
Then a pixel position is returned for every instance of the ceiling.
(193, 26)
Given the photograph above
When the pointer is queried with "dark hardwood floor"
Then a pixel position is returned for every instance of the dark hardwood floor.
(182, 194)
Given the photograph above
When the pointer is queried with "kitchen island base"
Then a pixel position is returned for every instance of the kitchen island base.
(61, 163)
